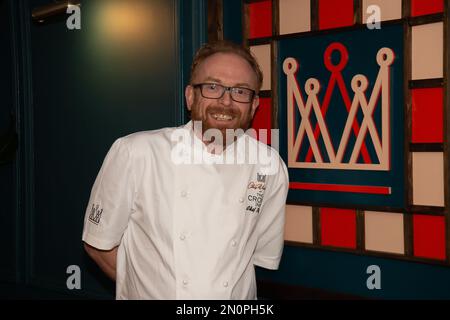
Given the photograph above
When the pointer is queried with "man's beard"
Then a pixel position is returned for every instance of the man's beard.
(228, 111)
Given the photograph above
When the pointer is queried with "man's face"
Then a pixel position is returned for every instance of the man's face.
(229, 70)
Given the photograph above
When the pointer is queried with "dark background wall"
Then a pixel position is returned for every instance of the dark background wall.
(74, 92)
(7, 196)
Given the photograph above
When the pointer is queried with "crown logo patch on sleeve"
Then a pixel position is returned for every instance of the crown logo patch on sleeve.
(95, 214)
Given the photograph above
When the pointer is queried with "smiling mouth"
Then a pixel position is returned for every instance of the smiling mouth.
(222, 117)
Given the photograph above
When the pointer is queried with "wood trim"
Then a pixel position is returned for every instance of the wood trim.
(427, 210)
(215, 20)
(274, 84)
(360, 231)
(426, 147)
(358, 12)
(314, 15)
(351, 207)
(426, 83)
(433, 210)
(275, 17)
(408, 168)
(406, 8)
(447, 123)
(408, 234)
(265, 94)
(260, 41)
(252, 1)
(314, 33)
(370, 253)
(431, 18)
(244, 18)
(317, 226)
(407, 71)
(245, 24)
(414, 21)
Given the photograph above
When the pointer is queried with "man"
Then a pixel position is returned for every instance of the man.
(164, 225)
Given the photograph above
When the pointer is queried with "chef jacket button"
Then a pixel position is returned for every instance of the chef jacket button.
(233, 243)
(182, 237)
(225, 284)
(184, 194)
(241, 200)
(185, 282)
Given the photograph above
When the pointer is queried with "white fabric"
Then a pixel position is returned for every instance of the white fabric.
(183, 230)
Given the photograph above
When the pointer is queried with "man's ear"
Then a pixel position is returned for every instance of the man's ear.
(189, 95)
(255, 105)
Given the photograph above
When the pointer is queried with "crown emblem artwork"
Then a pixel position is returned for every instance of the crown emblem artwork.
(351, 145)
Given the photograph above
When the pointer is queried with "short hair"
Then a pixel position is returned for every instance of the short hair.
(224, 46)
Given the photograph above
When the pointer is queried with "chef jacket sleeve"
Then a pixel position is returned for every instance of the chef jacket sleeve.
(269, 247)
(111, 200)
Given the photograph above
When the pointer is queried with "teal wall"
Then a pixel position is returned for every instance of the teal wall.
(233, 23)
(75, 92)
(346, 274)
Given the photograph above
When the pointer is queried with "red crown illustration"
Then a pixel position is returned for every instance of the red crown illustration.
(359, 84)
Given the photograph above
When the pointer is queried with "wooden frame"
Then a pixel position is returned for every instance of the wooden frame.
(408, 22)
(447, 123)
(215, 20)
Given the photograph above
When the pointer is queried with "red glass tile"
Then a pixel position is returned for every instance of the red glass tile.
(335, 14)
(423, 7)
(427, 115)
(260, 19)
(338, 227)
(263, 119)
(429, 236)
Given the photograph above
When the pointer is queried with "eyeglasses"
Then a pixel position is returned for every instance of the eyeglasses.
(216, 91)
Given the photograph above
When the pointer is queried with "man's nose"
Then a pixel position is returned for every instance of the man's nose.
(226, 98)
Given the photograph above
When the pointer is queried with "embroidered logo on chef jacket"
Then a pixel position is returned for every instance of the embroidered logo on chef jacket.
(95, 214)
(255, 193)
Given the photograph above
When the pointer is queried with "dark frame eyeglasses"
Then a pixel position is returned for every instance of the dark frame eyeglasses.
(216, 91)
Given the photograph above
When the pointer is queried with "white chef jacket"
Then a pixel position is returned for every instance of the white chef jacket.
(187, 231)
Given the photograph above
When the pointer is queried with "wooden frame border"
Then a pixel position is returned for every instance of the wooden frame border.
(426, 147)
(358, 12)
(314, 16)
(273, 62)
(408, 173)
(426, 83)
(410, 209)
(446, 119)
(317, 226)
(215, 20)
(360, 231)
